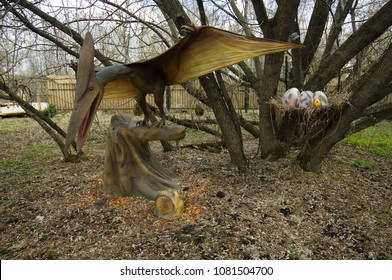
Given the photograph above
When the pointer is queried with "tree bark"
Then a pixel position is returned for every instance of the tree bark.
(229, 127)
(297, 72)
(279, 28)
(371, 117)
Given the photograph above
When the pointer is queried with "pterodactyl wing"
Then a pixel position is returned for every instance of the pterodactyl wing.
(208, 49)
(201, 52)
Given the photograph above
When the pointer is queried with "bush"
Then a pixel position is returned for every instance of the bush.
(51, 111)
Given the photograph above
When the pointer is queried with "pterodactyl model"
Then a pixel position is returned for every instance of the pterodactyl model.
(203, 50)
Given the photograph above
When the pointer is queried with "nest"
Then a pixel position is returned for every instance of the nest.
(313, 114)
(302, 124)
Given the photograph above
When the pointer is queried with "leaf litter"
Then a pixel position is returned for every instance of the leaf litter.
(273, 211)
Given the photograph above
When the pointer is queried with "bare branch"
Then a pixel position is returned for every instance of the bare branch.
(342, 10)
(262, 17)
(40, 32)
(150, 25)
(59, 25)
(367, 33)
(315, 32)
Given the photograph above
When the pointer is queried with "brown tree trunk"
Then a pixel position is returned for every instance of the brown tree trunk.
(230, 128)
(270, 146)
(277, 28)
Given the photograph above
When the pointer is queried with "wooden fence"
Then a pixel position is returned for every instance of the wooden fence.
(61, 92)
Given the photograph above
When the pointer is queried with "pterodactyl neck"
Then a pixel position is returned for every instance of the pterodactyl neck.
(114, 72)
(141, 75)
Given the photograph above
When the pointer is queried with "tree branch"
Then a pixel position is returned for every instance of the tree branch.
(315, 32)
(5, 97)
(241, 18)
(195, 125)
(40, 32)
(202, 13)
(59, 25)
(367, 33)
(153, 27)
(375, 84)
(262, 18)
(338, 20)
(371, 116)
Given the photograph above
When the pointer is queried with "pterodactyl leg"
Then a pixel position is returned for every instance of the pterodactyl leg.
(158, 98)
(152, 82)
(141, 100)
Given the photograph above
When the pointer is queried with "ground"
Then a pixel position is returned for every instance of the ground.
(56, 210)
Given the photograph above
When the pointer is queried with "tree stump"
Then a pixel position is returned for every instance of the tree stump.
(130, 167)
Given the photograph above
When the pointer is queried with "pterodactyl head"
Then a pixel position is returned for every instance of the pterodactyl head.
(88, 96)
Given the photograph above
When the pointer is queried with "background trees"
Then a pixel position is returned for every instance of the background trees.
(347, 43)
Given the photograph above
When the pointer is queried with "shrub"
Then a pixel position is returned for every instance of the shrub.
(51, 111)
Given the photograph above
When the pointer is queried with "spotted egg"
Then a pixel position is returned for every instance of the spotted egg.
(305, 99)
(290, 97)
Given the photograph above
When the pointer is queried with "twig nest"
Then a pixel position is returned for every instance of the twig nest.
(168, 205)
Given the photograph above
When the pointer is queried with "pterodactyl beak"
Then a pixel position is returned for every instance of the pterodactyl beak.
(88, 96)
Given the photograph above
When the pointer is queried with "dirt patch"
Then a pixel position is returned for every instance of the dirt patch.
(56, 210)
